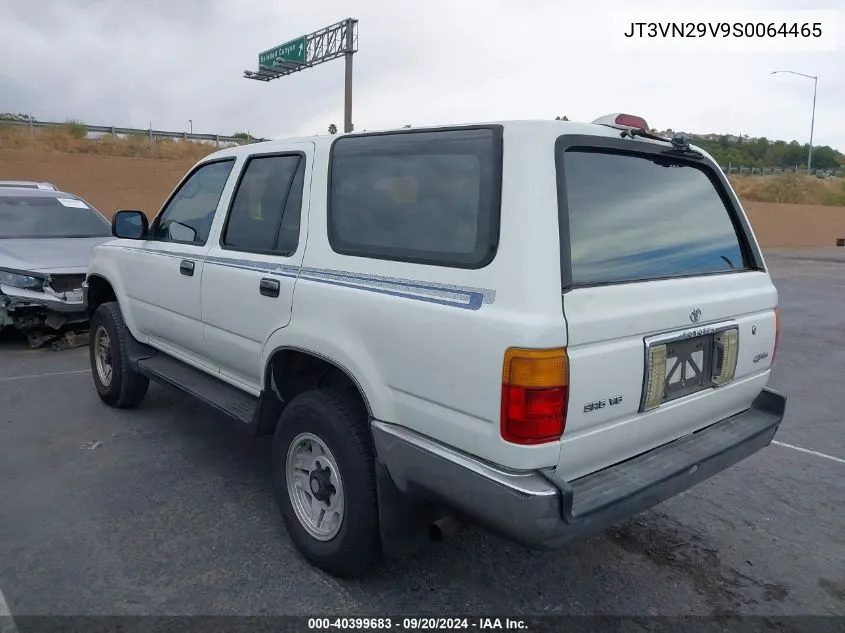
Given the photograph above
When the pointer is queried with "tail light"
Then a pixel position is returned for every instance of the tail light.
(535, 393)
(777, 334)
(631, 121)
(624, 120)
(656, 376)
(725, 351)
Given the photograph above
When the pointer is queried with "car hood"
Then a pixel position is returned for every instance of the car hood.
(48, 254)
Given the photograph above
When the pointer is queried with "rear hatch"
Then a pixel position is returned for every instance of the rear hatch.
(671, 317)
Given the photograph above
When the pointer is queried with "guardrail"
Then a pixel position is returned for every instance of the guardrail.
(769, 171)
(218, 138)
(150, 133)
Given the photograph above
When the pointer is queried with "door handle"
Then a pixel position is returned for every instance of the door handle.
(269, 287)
(186, 267)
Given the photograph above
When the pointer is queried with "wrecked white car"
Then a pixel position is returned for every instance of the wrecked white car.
(46, 238)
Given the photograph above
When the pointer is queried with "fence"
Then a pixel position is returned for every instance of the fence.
(769, 171)
(217, 139)
(150, 132)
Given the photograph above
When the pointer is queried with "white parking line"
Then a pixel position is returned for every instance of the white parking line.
(807, 450)
(7, 623)
(55, 373)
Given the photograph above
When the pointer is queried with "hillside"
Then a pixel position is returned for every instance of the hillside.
(788, 188)
(71, 139)
(743, 151)
(791, 189)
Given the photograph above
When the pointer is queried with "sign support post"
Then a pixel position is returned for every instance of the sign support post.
(347, 84)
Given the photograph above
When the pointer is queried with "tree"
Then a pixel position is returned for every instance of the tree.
(332, 128)
(762, 152)
(562, 118)
(15, 116)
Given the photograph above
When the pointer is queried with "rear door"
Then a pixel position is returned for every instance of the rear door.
(252, 267)
(669, 311)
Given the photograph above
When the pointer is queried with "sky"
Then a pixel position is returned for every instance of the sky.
(164, 62)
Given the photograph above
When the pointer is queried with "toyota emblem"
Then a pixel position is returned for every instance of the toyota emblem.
(695, 315)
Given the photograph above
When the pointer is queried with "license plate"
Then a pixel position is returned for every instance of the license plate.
(689, 366)
(74, 296)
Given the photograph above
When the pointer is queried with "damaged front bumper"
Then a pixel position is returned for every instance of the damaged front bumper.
(41, 314)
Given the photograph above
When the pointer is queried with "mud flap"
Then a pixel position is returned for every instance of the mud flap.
(266, 416)
(403, 522)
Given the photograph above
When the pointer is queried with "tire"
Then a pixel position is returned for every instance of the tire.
(337, 419)
(124, 387)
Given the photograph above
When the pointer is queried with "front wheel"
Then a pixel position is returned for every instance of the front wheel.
(116, 382)
(324, 480)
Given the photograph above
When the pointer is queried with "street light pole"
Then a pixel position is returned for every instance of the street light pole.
(190, 121)
(812, 123)
(813, 117)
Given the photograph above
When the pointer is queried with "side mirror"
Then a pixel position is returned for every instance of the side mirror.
(130, 225)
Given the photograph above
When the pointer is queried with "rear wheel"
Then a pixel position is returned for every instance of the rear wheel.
(116, 382)
(324, 480)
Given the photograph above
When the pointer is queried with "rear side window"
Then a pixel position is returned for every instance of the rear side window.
(637, 217)
(428, 197)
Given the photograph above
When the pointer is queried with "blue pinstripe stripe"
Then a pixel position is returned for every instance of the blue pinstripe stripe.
(465, 297)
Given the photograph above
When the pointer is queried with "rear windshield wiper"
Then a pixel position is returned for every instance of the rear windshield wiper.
(680, 145)
(644, 133)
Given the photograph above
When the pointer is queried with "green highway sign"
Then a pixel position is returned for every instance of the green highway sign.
(292, 51)
(338, 40)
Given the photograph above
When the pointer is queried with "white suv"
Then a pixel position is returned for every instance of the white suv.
(542, 327)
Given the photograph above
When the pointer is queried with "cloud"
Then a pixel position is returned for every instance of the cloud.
(119, 62)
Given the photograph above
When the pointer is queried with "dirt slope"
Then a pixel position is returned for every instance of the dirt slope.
(111, 183)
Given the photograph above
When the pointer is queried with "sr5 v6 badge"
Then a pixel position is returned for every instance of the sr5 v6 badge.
(601, 404)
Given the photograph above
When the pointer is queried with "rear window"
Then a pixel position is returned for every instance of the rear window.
(427, 197)
(44, 217)
(640, 216)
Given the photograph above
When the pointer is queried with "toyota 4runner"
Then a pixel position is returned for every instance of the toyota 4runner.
(540, 327)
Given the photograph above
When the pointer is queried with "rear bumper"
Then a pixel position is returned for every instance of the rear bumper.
(540, 511)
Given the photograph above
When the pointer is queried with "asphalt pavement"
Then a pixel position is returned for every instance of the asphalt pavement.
(166, 510)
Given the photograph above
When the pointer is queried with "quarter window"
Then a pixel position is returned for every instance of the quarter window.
(427, 197)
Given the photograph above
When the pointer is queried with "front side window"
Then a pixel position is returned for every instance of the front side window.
(49, 217)
(189, 214)
(266, 207)
(636, 217)
(428, 197)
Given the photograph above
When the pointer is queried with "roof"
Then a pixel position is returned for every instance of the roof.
(536, 126)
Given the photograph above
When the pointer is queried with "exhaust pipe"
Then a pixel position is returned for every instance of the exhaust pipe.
(442, 529)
